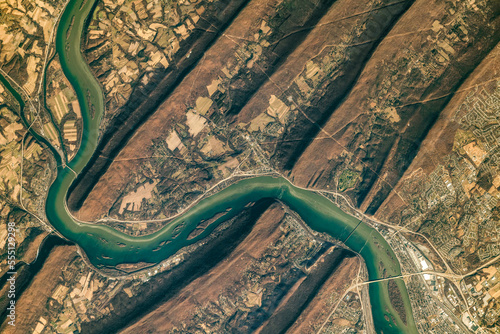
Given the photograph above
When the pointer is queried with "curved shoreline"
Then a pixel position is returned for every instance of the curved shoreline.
(105, 246)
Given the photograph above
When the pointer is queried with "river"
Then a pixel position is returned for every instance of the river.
(105, 246)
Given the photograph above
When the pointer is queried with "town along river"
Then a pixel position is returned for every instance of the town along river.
(105, 246)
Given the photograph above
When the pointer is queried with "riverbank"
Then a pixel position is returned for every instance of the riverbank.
(105, 246)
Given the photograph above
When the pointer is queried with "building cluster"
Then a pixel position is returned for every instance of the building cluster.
(458, 206)
(348, 317)
(482, 291)
(83, 295)
(432, 309)
(22, 174)
(460, 197)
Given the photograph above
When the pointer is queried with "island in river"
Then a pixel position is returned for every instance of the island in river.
(104, 246)
(225, 158)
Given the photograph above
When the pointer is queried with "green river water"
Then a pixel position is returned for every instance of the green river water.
(105, 246)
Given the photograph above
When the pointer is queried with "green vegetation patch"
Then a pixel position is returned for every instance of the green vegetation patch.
(348, 179)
